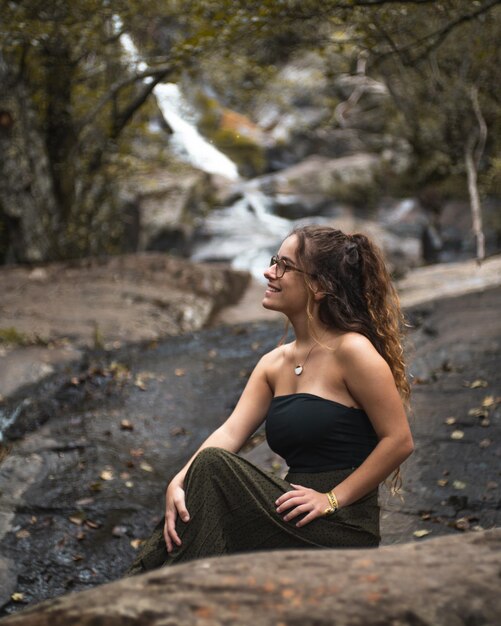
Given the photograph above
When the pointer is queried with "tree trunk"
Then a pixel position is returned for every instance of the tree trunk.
(475, 205)
(28, 207)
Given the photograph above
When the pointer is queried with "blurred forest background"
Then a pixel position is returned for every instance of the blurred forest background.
(325, 105)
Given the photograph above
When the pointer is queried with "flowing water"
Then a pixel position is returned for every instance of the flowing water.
(245, 234)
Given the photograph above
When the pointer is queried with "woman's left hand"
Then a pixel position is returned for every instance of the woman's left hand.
(302, 501)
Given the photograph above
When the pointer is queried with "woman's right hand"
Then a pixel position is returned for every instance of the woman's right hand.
(174, 504)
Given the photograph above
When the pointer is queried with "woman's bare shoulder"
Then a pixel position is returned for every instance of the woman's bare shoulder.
(355, 346)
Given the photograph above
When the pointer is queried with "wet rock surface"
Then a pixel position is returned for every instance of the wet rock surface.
(83, 482)
(408, 585)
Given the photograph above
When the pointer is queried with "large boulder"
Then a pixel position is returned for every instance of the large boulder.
(317, 183)
(164, 207)
(441, 582)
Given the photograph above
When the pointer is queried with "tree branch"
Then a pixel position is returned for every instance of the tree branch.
(161, 71)
(124, 116)
(437, 37)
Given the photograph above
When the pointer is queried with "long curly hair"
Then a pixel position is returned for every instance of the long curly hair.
(359, 293)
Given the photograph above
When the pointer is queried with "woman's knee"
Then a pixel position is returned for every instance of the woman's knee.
(211, 455)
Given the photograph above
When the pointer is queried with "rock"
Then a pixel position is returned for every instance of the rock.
(8, 580)
(452, 580)
(317, 183)
(123, 298)
(165, 207)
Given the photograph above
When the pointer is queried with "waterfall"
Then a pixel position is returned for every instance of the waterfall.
(186, 141)
(245, 234)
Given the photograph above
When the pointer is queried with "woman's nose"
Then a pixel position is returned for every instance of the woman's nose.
(270, 272)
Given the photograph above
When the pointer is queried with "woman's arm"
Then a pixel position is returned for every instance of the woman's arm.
(370, 382)
(247, 416)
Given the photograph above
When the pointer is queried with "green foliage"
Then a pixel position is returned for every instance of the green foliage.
(92, 106)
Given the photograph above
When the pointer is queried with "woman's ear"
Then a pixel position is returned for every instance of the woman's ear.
(318, 294)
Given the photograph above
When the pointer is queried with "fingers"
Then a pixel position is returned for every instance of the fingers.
(301, 501)
(175, 506)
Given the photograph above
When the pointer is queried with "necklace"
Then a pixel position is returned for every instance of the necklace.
(298, 370)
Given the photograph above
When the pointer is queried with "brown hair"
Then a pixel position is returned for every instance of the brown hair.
(359, 293)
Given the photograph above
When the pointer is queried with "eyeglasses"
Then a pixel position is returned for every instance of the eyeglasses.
(284, 266)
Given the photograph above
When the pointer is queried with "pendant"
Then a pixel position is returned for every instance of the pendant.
(298, 370)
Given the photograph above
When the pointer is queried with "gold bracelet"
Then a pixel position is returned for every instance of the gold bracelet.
(333, 503)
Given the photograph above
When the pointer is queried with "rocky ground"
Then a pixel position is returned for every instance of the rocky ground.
(85, 463)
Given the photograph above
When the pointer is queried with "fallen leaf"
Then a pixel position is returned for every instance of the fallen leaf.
(77, 557)
(421, 533)
(458, 484)
(136, 452)
(80, 535)
(119, 531)
(91, 524)
(84, 501)
(106, 474)
(126, 425)
(136, 543)
(477, 384)
(124, 475)
(457, 434)
(425, 515)
(212, 353)
(140, 383)
(485, 422)
(179, 371)
(23, 534)
(129, 484)
(146, 467)
(17, 597)
(450, 421)
(177, 431)
(485, 443)
(488, 401)
(463, 523)
(491, 484)
(256, 345)
(477, 412)
(77, 519)
(442, 482)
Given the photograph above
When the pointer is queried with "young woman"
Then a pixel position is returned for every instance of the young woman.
(333, 401)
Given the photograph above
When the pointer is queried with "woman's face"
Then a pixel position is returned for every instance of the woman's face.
(288, 293)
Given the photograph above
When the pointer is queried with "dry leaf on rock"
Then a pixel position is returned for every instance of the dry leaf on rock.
(477, 384)
(485, 443)
(457, 434)
(106, 474)
(23, 534)
(126, 425)
(421, 533)
(119, 531)
(450, 421)
(177, 431)
(146, 467)
(92, 524)
(136, 452)
(459, 484)
(179, 371)
(17, 597)
(442, 482)
(463, 523)
(488, 401)
(136, 543)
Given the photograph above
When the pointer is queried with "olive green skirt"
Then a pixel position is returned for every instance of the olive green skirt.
(232, 509)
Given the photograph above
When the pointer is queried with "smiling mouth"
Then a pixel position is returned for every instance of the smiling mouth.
(273, 289)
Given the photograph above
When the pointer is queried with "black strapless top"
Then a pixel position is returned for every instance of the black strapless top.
(314, 434)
